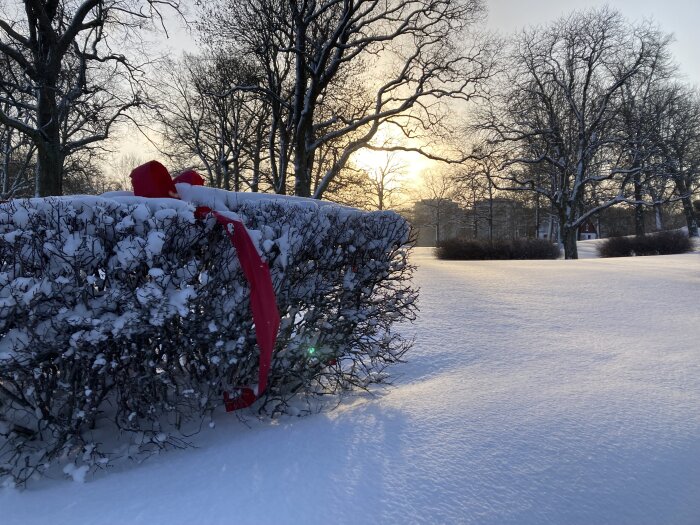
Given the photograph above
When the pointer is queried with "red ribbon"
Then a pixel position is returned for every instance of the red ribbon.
(153, 180)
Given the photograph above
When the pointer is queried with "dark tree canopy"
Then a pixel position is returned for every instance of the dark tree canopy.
(71, 80)
(556, 120)
(333, 72)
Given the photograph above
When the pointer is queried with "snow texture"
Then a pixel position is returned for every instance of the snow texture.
(538, 392)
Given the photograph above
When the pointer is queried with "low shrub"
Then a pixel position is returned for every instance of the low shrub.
(128, 317)
(661, 243)
(615, 247)
(472, 249)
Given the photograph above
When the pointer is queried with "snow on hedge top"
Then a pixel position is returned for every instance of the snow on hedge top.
(221, 200)
(228, 201)
(84, 203)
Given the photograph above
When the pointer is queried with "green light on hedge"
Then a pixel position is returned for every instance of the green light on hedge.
(312, 350)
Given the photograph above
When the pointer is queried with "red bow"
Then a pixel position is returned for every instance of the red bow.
(153, 180)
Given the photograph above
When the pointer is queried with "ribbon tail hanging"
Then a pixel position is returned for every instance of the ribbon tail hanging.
(152, 180)
(263, 304)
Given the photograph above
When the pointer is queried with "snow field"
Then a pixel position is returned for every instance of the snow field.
(538, 392)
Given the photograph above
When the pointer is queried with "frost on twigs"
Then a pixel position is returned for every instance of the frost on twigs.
(127, 319)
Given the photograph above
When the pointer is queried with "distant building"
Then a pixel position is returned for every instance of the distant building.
(587, 231)
(501, 218)
(437, 220)
(549, 229)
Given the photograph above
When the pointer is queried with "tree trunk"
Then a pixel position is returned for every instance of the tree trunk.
(257, 157)
(255, 183)
(49, 155)
(283, 165)
(437, 226)
(49, 170)
(550, 228)
(226, 175)
(690, 217)
(236, 174)
(302, 174)
(301, 115)
(303, 161)
(6, 163)
(537, 216)
(639, 229)
(490, 212)
(568, 236)
(658, 217)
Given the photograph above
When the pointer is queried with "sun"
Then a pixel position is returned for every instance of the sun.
(370, 160)
(411, 164)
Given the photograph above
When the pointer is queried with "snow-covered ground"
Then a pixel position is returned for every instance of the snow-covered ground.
(538, 392)
(588, 249)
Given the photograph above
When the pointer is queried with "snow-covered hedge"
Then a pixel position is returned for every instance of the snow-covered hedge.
(124, 315)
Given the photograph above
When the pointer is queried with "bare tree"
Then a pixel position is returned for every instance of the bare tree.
(680, 143)
(83, 173)
(557, 110)
(317, 57)
(351, 188)
(17, 156)
(222, 131)
(120, 168)
(471, 190)
(645, 101)
(474, 184)
(384, 182)
(376, 187)
(77, 85)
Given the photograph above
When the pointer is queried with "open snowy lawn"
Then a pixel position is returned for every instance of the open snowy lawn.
(562, 392)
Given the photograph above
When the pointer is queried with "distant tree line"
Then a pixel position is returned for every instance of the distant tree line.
(65, 82)
(489, 214)
(281, 97)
